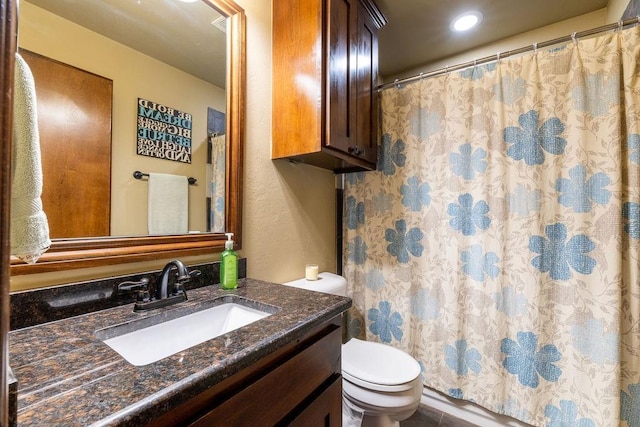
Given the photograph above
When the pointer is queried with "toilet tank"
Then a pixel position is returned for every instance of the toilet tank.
(328, 283)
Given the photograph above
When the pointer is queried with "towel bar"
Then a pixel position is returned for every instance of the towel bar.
(140, 175)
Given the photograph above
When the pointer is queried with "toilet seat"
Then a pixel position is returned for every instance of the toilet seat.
(396, 388)
(377, 366)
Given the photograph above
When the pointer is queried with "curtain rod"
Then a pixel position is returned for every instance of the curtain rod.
(618, 25)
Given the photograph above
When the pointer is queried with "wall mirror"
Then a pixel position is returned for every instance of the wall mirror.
(188, 55)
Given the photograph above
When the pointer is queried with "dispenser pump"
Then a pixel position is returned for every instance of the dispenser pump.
(229, 243)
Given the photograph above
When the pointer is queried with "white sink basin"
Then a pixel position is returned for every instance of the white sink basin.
(153, 338)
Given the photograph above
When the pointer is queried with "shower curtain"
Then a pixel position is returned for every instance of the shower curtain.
(217, 183)
(499, 240)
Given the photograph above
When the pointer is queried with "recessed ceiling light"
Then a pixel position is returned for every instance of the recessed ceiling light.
(466, 21)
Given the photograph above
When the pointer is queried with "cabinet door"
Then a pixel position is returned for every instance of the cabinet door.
(298, 66)
(352, 79)
(366, 65)
(341, 75)
(325, 410)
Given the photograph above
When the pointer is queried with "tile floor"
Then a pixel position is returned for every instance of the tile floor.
(429, 417)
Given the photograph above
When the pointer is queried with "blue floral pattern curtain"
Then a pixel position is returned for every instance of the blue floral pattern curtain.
(499, 241)
(217, 183)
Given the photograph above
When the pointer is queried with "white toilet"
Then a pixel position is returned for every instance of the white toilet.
(381, 385)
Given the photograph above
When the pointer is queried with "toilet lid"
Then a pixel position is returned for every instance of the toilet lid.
(378, 363)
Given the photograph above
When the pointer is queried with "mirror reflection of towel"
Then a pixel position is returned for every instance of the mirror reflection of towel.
(168, 204)
(29, 225)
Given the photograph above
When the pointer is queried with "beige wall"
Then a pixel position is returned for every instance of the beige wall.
(134, 75)
(615, 9)
(288, 210)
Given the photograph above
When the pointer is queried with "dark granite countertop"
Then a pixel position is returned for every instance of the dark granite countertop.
(69, 377)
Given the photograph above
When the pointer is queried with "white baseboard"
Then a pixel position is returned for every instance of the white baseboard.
(467, 411)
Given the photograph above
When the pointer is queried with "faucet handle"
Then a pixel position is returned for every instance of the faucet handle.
(190, 274)
(141, 288)
(142, 284)
(178, 286)
(143, 295)
(178, 289)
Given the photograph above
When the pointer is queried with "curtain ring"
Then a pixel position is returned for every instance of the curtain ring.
(620, 25)
(497, 57)
(638, 19)
(573, 37)
(475, 62)
(421, 76)
(535, 47)
(396, 83)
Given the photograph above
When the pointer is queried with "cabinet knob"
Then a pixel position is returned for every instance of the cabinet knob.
(356, 151)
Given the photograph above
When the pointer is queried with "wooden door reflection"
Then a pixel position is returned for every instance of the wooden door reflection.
(74, 121)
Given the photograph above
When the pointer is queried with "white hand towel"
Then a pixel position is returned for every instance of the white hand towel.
(168, 204)
(29, 226)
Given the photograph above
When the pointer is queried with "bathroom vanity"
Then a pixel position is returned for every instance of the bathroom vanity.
(281, 369)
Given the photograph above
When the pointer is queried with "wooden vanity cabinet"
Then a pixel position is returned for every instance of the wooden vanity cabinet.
(325, 74)
(299, 384)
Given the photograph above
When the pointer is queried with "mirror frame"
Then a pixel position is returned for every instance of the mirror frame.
(8, 46)
(66, 254)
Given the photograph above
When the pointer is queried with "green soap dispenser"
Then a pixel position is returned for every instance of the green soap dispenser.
(229, 265)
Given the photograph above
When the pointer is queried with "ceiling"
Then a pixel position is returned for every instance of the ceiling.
(418, 30)
(177, 33)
